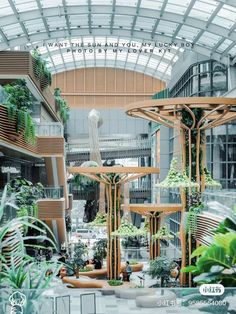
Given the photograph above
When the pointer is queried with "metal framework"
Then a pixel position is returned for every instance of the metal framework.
(209, 24)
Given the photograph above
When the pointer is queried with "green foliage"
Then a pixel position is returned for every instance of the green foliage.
(176, 179)
(19, 104)
(40, 69)
(192, 218)
(163, 234)
(115, 282)
(133, 262)
(26, 194)
(100, 220)
(217, 262)
(160, 268)
(100, 249)
(79, 252)
(85, 269)
(63, 107)
(209, 182)
(127, 230)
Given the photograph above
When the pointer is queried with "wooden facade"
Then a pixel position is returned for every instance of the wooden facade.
(105, 87)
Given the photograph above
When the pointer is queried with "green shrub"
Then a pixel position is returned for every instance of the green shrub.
(85, 269)
(114, 282)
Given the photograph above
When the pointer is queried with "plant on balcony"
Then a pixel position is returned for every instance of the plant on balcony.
(176, 178)
(63, 107)
(40, 69)
(217, 263)
(127, 230)
(209, 181)
(160, 268)
(19, 103)
(163, 234)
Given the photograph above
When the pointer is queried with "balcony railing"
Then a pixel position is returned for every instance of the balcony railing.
(53, 192)
(49, 129)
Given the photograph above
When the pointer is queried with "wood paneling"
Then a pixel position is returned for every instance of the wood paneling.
(105, 87)
(51, 208)
(50, 146)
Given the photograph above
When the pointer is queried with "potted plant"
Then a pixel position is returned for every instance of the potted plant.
(160, 268)
(78, 257)
(100, 249)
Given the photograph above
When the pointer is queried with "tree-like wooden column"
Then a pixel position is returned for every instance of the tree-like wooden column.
(154, 245)
(195, 115)
(154, 212)
(113, 178)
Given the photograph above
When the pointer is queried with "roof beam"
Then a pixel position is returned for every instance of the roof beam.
(43, 18)
(4, 37)
(135, 17)
(89, 16)
(66, 17)
(113, 16)
(158, 20)
(16, 13)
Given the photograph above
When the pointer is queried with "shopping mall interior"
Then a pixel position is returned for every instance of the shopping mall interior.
(117, 155)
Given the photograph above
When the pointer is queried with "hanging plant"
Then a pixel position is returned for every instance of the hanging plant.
(128, 230)
(209, 181)
(19, 103)
(63, 107)
(100, 220)
(163, 234)
(40, 68)
(176, 179)
(192, 218)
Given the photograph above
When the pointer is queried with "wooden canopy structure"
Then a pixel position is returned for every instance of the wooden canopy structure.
(166, 111)
(113, 178)
(217, 110)
(153, 212)
(214, 111)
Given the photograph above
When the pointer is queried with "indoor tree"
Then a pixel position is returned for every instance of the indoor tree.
(160, 268)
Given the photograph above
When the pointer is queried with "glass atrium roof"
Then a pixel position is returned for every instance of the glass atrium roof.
(60, 27)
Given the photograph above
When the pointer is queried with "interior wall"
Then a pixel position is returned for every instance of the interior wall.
(108, 90)
(105, 87)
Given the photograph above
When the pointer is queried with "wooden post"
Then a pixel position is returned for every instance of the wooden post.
(183, 237)
(113, 223)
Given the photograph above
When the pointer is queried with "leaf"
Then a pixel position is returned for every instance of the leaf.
(232, 251)
(215, 255)
(206, 278)
(224, 240)
(199, 251)
(188, 269)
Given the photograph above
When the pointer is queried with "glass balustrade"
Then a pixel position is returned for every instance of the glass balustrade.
(49, 129)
